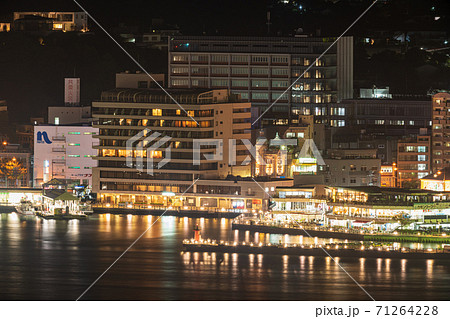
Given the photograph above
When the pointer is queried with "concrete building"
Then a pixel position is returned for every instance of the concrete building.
(352, 167)
(440, 131)
(124, 113)
(388, 175)
(69, 115)
(64, 152)
(25, 132)
(380, 116)
(413, 160)
(138, 80)
(439, 181)
(261, 69)
(59, 21)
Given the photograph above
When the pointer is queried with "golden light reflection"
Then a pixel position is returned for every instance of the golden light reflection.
(430, 263)
(302, 262)
(260, 260)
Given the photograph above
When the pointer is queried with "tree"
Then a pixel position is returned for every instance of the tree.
(11, 169)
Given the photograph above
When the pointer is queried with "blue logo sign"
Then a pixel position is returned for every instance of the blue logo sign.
(43, 135)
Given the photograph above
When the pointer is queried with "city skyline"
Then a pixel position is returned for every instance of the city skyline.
(272, 150)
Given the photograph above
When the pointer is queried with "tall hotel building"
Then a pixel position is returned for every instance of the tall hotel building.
(123, 113)
(440, 131)
(261, 69)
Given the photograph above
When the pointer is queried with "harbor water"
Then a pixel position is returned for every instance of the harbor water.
(58, 259)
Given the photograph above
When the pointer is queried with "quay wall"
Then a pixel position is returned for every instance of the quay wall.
(299, 251)
(297, 231)
(159, 212)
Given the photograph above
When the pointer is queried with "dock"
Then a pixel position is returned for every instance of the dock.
(350, 234)
(341, 250)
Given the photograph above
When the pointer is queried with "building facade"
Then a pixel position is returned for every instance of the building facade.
(66, 115)
(388, 175)
(261, 69)
(386, 117)
(352, 167)
(132, 113)
(413, 160)
(440, 131)
(64, 152)
(124, 113)
(60, 21)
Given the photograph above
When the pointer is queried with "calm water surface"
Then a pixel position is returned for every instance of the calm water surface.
(58, 260)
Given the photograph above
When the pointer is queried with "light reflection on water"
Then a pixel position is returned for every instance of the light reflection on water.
(49, 259)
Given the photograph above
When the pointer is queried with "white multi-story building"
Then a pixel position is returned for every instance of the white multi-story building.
(64, 152)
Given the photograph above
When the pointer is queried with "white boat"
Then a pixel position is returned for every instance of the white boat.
(25, 208)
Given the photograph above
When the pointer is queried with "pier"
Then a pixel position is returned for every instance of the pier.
(350, 234)
(333, 250)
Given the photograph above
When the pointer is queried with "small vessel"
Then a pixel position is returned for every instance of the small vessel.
(25, 208)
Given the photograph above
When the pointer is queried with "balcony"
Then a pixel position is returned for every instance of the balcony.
(59, 161)
(59, 138)
(59, 149)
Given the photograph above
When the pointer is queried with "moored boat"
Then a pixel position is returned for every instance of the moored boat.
(25, 207)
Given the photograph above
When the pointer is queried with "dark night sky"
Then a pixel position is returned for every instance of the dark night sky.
(245, 16)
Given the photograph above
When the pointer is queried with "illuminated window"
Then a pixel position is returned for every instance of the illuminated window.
(74, 155)
(157, 112)
(74, 144)
(155, 154)
(180, 58)
(178, 112)
(75, 167)
(74, 133)
(56, 120)
(421, 149)
(107, 152)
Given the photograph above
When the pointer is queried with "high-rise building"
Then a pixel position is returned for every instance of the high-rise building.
(133, 169)
(440, 140)
(261, 69)
(124, 113)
